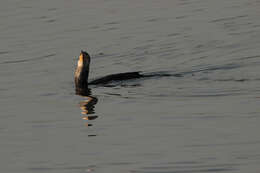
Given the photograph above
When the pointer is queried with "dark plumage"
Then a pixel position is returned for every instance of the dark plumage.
(116, 77)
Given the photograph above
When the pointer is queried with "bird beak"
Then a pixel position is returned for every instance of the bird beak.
(81, 58)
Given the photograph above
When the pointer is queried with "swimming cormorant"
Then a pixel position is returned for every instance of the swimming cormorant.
(82, 73)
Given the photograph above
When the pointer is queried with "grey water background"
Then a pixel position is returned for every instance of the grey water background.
(205, 121)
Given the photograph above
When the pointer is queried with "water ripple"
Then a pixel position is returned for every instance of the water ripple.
(187, 168)
(28, 59)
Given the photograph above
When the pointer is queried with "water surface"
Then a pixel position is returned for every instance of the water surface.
(205, 121)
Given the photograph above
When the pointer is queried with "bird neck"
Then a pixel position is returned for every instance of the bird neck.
(81, 75)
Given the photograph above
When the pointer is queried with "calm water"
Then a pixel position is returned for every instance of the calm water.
(205, 121)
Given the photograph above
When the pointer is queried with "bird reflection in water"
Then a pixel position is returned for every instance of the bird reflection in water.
(88, 105)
